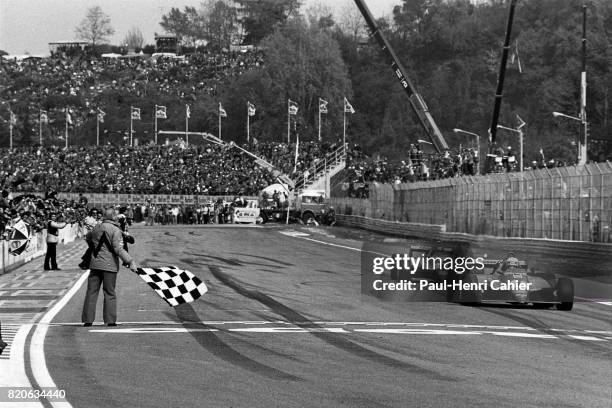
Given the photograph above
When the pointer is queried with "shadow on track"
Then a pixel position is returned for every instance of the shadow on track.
(213, 344)
(333, 339)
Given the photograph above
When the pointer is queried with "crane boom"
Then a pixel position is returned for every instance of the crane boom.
(416, 100)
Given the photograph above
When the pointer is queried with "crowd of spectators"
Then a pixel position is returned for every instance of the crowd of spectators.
(82, 81)
(37, 210)
(206, 170)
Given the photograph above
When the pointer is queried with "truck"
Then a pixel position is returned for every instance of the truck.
(307, 207)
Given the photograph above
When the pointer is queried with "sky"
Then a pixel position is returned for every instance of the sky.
(27, 26)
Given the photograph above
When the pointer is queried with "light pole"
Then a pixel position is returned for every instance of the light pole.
(520, 133)
(581, 148)
(477, 144)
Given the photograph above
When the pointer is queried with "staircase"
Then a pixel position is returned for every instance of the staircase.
(318, 176)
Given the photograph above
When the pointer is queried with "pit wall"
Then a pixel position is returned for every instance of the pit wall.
(567, 203)
(38, 247)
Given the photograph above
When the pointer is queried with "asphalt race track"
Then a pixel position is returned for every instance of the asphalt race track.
(284, 325)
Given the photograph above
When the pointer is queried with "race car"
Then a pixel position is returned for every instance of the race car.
(511, 281)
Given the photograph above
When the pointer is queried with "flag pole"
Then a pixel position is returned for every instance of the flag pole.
(248, 123)
(155, 115)
(11, 130)
(186, 128)
(219, 113)
(288, 121)
(131, 125)
(344, 128)
(67, 127)
(582, 146)
(40, 126)
(97, 128)
(319, 120)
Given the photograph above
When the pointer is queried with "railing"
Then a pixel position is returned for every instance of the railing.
(565, 203)
(320, 169)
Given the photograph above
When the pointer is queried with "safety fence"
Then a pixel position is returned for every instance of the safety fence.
(37, 247)
(565, 203)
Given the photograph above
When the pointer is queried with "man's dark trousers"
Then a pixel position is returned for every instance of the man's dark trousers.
(107, 280)
(50, 261)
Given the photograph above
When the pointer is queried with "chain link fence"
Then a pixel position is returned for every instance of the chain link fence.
(566, 203)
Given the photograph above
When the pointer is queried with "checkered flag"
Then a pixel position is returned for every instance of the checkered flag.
(174, 285)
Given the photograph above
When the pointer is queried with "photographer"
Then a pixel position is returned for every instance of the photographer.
(53, 226)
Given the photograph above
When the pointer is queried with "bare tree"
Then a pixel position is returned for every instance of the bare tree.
(352, 22)
(134, 39)
(320, 15)
(95, 27)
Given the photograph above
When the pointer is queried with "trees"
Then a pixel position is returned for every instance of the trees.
(221, 22)
(261, 17)
(134, 39)
(187, 25)
(95, 27)
(304, 64)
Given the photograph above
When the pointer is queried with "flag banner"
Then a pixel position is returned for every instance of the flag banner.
(514, 57)
(348, 108)
(13, 118)
(521, 122)
(19, 238)
(187, 111)
(44, 117)
(174, 285)
(322, 105)
(293, 107)
(135, 113)
(222, 111)
(101, 115)
(160, 112)
(68, 117)
(250, 109)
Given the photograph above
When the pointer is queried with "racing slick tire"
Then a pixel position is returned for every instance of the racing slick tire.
(264, 218)
(565, 294)
(470, 297)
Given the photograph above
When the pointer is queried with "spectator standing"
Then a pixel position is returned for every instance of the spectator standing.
(106, 241)
(53, 226)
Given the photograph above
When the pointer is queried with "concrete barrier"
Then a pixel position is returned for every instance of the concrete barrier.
(38, 247)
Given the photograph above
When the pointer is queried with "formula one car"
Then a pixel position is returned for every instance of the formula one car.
(511, 281)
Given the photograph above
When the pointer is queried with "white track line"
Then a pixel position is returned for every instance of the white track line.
(37, 345)
(293, 235)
